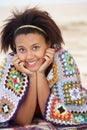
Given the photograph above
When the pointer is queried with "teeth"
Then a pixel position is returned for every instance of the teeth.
(31, 63)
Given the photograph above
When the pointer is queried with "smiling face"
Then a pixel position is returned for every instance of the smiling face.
(31, 49)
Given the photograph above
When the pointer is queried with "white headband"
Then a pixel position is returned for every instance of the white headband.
(30, 26)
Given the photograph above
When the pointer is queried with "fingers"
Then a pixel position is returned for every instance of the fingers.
(16, 61)
(49, 55)
(22, 68)
(50, 52)
(20, 65)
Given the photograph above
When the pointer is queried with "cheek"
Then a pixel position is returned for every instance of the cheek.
(42, 54)
(21, 57)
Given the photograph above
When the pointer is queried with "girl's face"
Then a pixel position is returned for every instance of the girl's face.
(31, 49)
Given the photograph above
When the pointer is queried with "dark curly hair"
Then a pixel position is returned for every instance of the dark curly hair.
(32, 16)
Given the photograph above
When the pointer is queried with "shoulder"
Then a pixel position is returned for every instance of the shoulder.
(6, 58)
(6, 62)
(63, 55)
(61, 51)
(65, 62)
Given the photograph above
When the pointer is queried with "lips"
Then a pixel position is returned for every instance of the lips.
(34, 65)
(30, 64)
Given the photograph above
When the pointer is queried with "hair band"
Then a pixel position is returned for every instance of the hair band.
(31, 26)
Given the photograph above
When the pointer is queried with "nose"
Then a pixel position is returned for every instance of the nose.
(30, 55)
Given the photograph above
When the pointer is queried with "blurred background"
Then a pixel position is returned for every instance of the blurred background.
(70, 16)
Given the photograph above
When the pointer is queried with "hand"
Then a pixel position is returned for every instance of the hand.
(20, 65)
(48, 59)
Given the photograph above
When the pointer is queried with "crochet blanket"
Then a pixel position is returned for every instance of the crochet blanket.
(67, 102)
(13, 86)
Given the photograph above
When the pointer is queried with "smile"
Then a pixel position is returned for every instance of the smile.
(32, 63)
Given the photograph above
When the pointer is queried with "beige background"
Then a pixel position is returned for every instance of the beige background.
(72, 20)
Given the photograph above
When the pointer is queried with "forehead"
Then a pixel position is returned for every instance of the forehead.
(29, 39)
(30, 31)
(29, 36)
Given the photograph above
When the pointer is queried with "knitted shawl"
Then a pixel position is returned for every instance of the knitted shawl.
(66, 104)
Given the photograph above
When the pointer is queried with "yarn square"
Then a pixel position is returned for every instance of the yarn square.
(67, 63)
(73, 94)
(6, 107)
(15, 81)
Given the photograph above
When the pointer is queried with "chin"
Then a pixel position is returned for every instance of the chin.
(32, 69)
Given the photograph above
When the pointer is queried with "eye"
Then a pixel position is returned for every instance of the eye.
(21, 50)
(35, 47)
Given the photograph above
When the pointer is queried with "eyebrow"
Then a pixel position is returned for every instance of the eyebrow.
(36, 43)
(32, 45)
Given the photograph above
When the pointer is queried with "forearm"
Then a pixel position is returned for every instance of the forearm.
(27, 108)
(42, 90)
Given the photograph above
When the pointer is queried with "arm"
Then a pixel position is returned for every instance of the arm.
(43, 89)
(27, 107)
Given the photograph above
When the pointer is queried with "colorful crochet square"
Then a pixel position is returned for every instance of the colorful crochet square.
(58, 111)
(73, 94)
(80, 117)
(68, 63)
(6, 107)
(14, 81)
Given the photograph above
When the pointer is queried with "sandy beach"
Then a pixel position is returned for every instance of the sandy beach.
(72, 20)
